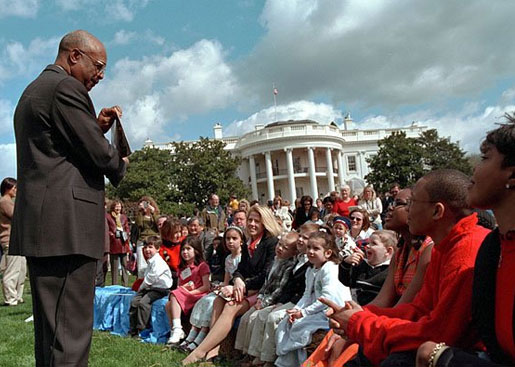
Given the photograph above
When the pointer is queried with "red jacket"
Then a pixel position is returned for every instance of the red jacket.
(117, 245)
(441, 311)
(171, 253)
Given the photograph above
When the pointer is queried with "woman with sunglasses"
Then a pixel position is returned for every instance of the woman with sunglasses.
(360, 229)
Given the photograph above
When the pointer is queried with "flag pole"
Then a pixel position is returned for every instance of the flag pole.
(275, 100)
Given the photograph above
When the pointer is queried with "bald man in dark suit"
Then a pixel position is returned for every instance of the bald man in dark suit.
(58, 221)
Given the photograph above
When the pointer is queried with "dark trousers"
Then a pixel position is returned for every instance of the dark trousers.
(116, 260)
(141, 307)
(102, 267)
(63, 290)
(399, 359)
(455, 357)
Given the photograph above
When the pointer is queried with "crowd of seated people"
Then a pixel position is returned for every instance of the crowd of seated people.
(432, 288)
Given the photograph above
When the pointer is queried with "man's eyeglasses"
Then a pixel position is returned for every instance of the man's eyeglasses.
(409, 202)
(100, 65)
(399, 203)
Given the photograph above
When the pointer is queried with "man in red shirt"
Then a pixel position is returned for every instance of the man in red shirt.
(493, 303)
(442, 308)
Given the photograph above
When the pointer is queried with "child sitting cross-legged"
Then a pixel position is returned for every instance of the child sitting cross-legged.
(252, 324)
(193, 285)
(156, 284)
(366, 276)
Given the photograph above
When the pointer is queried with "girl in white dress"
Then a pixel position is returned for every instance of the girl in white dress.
(296, 329)
(201, 314)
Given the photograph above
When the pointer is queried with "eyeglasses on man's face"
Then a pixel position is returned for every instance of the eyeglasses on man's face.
(99, 65)
(409, 202)
(399, 203)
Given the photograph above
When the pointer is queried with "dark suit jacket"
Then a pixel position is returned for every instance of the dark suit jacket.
(62, 158)
(294, 289)
(254, 270)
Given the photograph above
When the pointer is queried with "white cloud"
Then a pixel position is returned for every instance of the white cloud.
(508, 96)
(119, 10)
(123, 37)
(8, 166)
(26, 61)
(149, 36)
(122, 10)
(19, 8)
(387, 54)
(6, 117)
(467, 126)
(159, 91)
(300, 110)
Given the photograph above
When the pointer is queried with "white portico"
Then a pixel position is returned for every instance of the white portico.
(292, 158)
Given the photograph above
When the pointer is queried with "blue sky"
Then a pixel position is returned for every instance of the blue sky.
(178, 67)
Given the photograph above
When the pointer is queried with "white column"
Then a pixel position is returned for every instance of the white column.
(340, 168)
(253, 179)
(361, 156)
(291, 174)
(269, 176)
(312, 174)
(330, 173)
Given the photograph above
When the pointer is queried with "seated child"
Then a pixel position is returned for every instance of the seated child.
(295, 331)
(200, 317)
(170, 250)
(193, 285)
(344, 242)
(216, 260)
(315, 218)
(367, 277)
(156, 284)
(251, 328)
(291, 293)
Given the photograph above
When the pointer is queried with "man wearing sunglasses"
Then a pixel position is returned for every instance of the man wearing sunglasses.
(58, 221)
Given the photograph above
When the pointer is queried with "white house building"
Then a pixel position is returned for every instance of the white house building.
(303, 157)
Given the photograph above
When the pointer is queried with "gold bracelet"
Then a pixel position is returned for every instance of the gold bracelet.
(439, 354)
(432, 362)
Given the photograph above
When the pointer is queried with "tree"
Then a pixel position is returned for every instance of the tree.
(205, 167)
(399, 159)
(404, 160)
(442, 153)
(147, 174)
(181, 179)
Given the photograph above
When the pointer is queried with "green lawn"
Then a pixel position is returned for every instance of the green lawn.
(107, 350)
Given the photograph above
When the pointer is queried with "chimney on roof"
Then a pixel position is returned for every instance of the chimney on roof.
(217, 129)
(347, 121)
(148, 143)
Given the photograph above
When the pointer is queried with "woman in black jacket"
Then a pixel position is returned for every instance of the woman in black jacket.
(303, 213)
(256, 259)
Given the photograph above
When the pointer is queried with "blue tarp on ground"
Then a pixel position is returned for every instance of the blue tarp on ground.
(111, 313)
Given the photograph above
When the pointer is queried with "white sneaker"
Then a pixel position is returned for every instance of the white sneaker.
(177, 335)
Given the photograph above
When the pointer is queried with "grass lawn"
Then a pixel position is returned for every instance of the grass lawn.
(107, 350)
